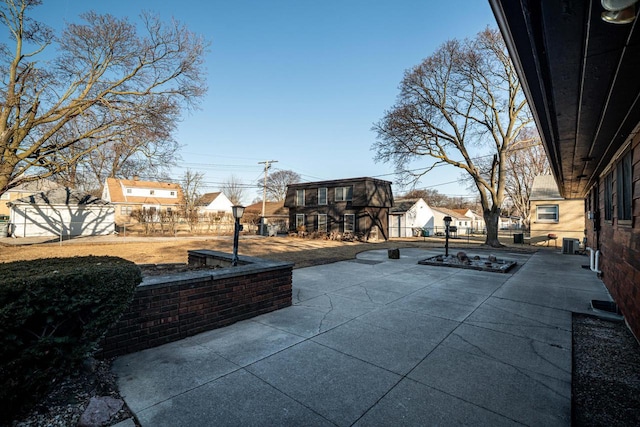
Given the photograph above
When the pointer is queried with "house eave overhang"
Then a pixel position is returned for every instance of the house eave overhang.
(579, 75)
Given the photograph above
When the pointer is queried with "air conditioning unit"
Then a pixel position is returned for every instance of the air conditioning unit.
(570, 246)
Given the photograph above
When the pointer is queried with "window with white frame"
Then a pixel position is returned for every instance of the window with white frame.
(128, 191)
(349, 223)
(300, 197)
(125, 210)
(299, 221)
(152, 192)
(322, 196)
(344, 194)
(322, 222)
(624, 187)
(547, 213)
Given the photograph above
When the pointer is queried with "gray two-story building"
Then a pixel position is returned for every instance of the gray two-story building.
(359, 206)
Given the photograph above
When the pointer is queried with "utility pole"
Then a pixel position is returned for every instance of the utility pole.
(267, 165)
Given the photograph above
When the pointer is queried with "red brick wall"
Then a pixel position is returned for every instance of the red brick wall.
(619, 245)
(162, 313)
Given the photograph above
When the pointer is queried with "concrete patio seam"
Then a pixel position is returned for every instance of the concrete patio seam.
(286, 394)
(519, 369)
(405, 378)
(531, 319)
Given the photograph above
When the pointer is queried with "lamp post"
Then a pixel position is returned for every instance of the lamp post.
(447, 222)
(237, 211)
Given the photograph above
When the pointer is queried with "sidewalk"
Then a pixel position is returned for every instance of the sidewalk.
(375, 341)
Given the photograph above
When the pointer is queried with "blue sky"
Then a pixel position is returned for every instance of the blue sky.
(300, 82)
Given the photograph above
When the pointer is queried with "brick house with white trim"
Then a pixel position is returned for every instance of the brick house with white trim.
(578, 65)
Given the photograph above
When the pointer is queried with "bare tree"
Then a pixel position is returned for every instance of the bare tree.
(432, 196)
(146, 217)
(125, 158)
(525, 159)
(107, 85)
(191, 193)
(277, 182)
(463, 99)
(234, 189)
(150, 156)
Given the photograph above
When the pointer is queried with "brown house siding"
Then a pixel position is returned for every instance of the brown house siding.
(619, 244)
(370, 203)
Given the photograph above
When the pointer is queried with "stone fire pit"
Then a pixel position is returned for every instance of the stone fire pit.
(462, 260)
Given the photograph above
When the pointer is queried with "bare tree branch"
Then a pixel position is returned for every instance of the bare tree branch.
(109, 87)
(463, 98)
(525, 160)
(277, 183)
(234, 189)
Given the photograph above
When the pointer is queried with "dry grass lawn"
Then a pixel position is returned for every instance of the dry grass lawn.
(152, 250)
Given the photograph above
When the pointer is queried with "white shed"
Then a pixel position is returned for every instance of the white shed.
(62, 212)
(409, 217)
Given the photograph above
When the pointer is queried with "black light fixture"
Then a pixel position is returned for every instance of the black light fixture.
(447, 223)
(237, 212)
(619, 11)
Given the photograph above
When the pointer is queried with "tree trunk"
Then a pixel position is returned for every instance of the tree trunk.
(491, 218)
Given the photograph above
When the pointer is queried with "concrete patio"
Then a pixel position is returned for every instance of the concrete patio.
(375, 341)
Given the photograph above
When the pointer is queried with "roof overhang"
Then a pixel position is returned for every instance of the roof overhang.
(580, 76)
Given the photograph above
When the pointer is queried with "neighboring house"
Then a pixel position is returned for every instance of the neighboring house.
(216, 203)
(24, 190)
(553, 214)
(276, 217)
(414, 217)
(128, 195)
(580, 76)
(358, 205)
(410, 218)
(476, 221)
(509, 222)
(460, 223)
(62, 212)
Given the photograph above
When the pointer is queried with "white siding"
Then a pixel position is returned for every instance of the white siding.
(419, 215)
(36, 220)
(150, 192)
(220, 203)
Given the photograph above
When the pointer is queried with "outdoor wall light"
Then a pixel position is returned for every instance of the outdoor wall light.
(447, 223)
(619, 11)
(237, 212)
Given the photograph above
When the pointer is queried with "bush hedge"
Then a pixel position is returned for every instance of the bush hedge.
(53, 312)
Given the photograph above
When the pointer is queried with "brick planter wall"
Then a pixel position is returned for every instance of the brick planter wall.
(175, 306)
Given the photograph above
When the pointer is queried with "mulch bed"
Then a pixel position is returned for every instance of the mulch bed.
(606, 373)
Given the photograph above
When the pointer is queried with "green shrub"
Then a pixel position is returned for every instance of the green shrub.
(53, 312)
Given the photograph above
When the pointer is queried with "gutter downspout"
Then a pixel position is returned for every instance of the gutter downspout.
(594, 260)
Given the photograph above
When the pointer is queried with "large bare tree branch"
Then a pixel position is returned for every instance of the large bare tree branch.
(462, 100)
(277, 182)
(108, 87)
